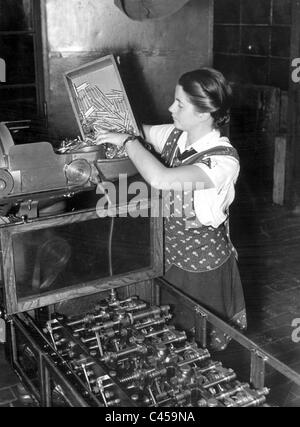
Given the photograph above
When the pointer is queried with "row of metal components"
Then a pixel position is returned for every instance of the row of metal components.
(127, 351)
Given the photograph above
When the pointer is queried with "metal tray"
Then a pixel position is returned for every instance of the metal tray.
(100, 102)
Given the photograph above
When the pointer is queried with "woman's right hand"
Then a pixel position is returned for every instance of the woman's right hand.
(117, 139)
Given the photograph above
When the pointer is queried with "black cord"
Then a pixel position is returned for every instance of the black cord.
(111, 231)
(112, 222)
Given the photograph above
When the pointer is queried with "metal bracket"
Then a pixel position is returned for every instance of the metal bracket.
(3, 319)
(3, 314)
(29, 209)
(201, 327)
(258, 369)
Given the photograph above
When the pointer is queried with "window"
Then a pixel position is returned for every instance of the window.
(21, 95)
(252, 41)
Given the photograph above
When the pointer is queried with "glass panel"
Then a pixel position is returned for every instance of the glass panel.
(27, 359)
(280, 72)
(227, 11)
(226, 39)
(15, 15)
(255, 70)
(59, 257)
(255, 41)
(229, 65)
(258, 12)
(282, 12)
(17, 104)
(281, 39)
(18, 53)
(59, 398)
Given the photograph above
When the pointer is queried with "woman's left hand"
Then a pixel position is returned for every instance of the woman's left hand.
(111, 138)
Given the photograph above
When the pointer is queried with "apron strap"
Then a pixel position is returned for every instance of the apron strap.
(192, 156)
(170, 148)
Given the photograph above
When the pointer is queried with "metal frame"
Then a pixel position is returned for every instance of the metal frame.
(152, 290)
(47, 369)
(259, 357)
(38, 119)
(94, 66)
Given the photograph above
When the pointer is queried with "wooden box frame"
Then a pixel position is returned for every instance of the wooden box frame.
(14, 305)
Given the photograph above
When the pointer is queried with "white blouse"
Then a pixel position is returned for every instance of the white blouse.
(211, 205)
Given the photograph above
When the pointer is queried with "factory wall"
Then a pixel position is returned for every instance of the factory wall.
(152, 53)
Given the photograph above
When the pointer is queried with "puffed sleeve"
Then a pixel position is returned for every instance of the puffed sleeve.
(211, 205)
(159, 136)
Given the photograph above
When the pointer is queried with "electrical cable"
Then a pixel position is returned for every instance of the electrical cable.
(112, 222)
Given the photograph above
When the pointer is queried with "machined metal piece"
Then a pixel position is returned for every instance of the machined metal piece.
(6, 182)
(145, 358)
(78, 172)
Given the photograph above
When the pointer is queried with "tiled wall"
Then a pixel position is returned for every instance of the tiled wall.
(252, 41)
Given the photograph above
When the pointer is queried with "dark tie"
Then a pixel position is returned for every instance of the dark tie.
(189, 153)
(186, 154)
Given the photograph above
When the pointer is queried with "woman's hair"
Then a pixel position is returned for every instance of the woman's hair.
(209, 92)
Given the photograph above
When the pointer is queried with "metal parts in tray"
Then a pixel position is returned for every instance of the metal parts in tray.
(128, 353)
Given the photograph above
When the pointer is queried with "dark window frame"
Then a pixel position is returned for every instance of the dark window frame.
(239, 53)
(39, 119)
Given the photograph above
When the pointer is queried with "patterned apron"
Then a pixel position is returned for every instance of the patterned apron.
(189, 245)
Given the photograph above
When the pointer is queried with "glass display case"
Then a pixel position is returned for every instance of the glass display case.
(78, 253)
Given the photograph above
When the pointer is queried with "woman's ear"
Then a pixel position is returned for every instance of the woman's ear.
(204, 116)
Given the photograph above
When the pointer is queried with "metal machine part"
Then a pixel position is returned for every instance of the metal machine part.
(34, 175)
(6, 182)
(34, 171)
(6, 142)
(100, 103)
(127, 349)
(78, 172)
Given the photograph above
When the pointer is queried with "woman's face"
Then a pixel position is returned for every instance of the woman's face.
(184, 113)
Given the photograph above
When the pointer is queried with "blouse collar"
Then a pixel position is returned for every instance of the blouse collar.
(205, 143)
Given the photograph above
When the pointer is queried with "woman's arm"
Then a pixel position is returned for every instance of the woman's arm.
(146, 130)
(162, 177)
(154, 172)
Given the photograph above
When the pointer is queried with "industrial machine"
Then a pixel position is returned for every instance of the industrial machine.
(126, 352)
(130, 345)
(35, 175)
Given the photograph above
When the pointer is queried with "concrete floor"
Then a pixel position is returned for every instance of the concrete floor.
(267, 237)
(268, 241)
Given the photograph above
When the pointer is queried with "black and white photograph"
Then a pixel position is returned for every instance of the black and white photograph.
(149, 206)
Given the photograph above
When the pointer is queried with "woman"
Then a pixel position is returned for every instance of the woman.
(200, 259)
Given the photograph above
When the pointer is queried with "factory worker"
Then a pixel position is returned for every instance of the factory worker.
(200, 259)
